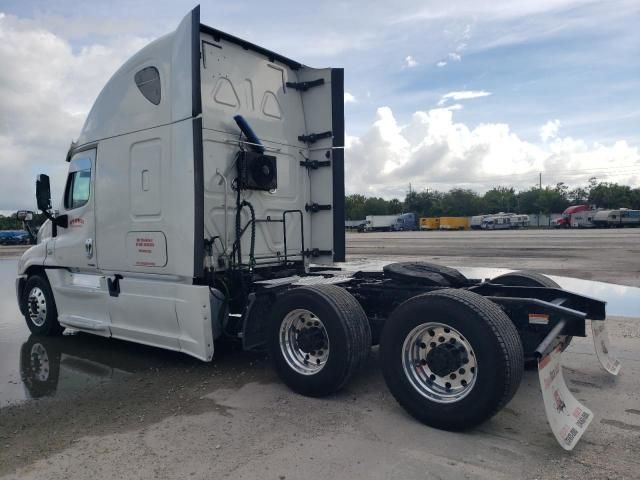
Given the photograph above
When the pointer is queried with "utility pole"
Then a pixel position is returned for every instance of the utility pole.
(540, 191)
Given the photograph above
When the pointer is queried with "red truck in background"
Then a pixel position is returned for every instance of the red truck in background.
(575, 216)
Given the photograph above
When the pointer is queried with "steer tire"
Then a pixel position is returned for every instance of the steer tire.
(37, 297)
(345, 326)
(494, 348)
(530, 338)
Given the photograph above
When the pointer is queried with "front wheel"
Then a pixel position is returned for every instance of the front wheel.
(39, 307)
(319, 338)
(451, 358)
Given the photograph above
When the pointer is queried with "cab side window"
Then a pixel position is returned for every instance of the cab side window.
(78, 187)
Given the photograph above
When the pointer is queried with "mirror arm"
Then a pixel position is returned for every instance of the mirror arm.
(62, 221)
(59, 221)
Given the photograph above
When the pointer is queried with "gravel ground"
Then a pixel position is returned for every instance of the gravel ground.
(608, 255)
(112, 409)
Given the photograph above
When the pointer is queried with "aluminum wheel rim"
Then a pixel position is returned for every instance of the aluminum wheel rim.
(37, 306)
(40, 362)
(297, 323)
(448, 388)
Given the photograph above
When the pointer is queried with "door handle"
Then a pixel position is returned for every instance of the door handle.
(88, 247)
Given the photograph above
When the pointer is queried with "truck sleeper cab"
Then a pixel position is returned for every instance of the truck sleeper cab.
(205, 201)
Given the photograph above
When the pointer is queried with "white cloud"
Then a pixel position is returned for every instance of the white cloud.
(349, 98)
(435, 151)
(456, 57)
(463, 95)
(441, 63)
(410, 62)
(45, 95)
(549, 130)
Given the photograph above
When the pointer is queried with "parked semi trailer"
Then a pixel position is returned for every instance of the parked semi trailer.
(391, 223)
(504, 221)
(476, 222)
(430, 223)
(622, 217)
(454, 223)
(204, 202)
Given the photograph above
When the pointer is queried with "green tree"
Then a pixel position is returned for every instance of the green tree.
(354, 207)
(460, 202)
(375, 206)
(424, 204)
(611, 195)
(528, 200)
(499, 199)
(394, 206)
(578, 196)
(552, 200)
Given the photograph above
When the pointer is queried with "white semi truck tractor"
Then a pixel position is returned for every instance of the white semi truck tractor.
(204, 203)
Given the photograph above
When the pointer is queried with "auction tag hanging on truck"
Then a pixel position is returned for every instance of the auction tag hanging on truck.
(567, 417)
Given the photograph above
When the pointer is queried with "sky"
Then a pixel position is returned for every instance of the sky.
(437, 94)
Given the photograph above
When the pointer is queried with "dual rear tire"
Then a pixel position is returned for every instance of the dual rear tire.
(319, 338)
(450, 357)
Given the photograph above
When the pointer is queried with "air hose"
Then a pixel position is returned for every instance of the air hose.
(240, 205)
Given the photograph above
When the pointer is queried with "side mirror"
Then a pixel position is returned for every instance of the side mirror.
(43, 193)
(24, 215)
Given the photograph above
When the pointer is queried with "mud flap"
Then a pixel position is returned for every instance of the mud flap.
(567, 417)
(601, 342)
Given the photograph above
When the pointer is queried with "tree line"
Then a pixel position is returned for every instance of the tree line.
(465, 203)
(460, 202)
(11, 222)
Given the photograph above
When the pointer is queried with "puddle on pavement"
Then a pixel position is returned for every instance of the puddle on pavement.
(34, 367)
(621, 300)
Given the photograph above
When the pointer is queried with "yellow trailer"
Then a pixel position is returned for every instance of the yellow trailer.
(429, 223)
(454, 223)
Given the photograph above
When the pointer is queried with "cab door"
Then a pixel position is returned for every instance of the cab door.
(75, 245)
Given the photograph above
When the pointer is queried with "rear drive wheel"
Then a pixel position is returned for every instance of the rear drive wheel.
(451, 358)
(319, 338)
(39, 307)
(530, 338)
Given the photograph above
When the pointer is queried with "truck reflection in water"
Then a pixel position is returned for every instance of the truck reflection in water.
(72, 363)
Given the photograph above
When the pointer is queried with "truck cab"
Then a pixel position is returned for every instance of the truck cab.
(191, 127)
(567, 218)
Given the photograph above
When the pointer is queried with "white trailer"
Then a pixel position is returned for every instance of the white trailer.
(381, 222)
(206, 181)
(583, 219)
(496, 222)
(519, 221)
(391, 223)
(476, 221)
(504, 221)
(622, 217)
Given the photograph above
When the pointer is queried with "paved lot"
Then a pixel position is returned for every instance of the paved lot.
(609, 255)
(109, 409)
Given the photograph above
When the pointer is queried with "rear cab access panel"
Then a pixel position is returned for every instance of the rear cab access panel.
(298, 114)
